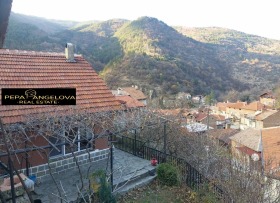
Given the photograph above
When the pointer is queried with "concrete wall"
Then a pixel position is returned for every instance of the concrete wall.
(61, 164)
(267, 101)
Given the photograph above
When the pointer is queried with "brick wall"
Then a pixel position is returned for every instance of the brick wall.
(61, 164)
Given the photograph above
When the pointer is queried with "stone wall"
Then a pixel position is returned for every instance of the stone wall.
(61, 164)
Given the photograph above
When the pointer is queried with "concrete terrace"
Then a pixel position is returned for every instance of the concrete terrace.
(129, 171)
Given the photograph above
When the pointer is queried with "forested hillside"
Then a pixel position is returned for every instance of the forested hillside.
(148, 53)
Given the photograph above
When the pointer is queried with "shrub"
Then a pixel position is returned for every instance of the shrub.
(167, 174)
(205, 194)
(104, 191)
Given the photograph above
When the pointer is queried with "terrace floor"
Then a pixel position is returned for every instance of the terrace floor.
(127, 168)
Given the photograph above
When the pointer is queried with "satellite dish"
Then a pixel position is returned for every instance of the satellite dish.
(255, 157)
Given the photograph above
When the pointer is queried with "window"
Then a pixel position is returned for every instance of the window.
(85, 136)
(59, 150)
(77, 139)
(71, 137)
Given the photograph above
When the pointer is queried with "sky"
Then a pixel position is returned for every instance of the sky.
(259, 17)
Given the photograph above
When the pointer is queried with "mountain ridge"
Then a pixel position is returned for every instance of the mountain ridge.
(153, 55)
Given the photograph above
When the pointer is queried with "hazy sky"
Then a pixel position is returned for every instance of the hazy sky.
(260, 17)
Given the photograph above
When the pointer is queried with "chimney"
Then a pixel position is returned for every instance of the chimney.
(119, 91)
(69, 53)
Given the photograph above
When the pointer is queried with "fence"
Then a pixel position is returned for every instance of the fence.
(190, 175)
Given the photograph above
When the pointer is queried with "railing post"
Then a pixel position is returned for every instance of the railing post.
(164, 140)
(134, 143)
(112, 170)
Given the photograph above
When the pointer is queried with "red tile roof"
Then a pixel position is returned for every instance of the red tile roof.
(265, 114)
(237, 105)
(223, 134)
(222, 105)
(271, 146)
(268, 94)
(219, 117)
(249, 137)
(130, 102)
(254, 106)
(135, 93)
(175, 112)
(29, 69)
(248, 151)
(200, 116)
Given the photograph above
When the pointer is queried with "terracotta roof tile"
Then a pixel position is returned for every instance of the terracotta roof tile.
(248, 151)
(271, 146)
(254, 106)
(29, 69)
(200, 116)
(223, 105)
(263, 115)
(135, 93)
(130, 102)
(250, 138)
(223, 134)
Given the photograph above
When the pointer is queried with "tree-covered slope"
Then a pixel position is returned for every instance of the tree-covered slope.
(148, 53)
(253, 59)
(156, 56)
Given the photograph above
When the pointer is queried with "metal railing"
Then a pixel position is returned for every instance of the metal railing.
(191, 176)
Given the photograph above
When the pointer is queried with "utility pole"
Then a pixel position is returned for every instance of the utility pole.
(112, 139)
(208, 120)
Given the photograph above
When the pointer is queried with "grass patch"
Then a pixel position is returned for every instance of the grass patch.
(155, 192)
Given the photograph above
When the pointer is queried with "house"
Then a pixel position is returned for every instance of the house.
(269, 118)
(197, 127)
(223, 136)
(129, 103)
(180, 115)
(264, 119)
(199, 117)
(217, 121)
(271, 149)
(198, 99)
(184, 96)
(228, 109)
(233, 110)
(268, 99)
(247, 144)
(259, 145)
(31, 70)
(133, 91)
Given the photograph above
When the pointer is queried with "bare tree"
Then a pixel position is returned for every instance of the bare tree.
(241, 179)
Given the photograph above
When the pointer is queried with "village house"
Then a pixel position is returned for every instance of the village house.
(264, 119)
(228, 109)
(271, 150)
(184, 96)
(258, 145)
(30, 70)
(183, 115)
(223, 136)
(216, 121)
(129, 103)
(133, 92)
(246, 145)
(198, 99)
(268, 99)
